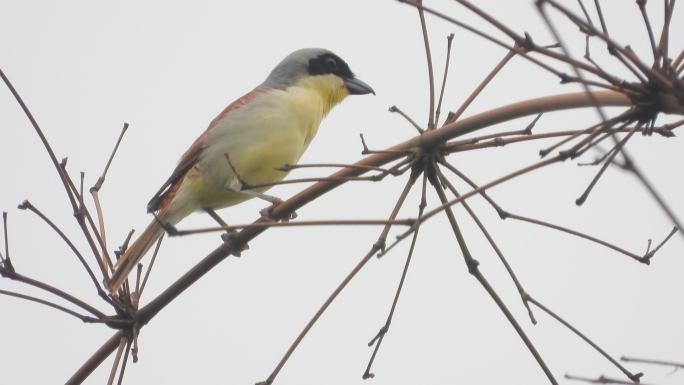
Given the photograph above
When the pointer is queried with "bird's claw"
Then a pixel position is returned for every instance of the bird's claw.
(229, 238)
(267, 213)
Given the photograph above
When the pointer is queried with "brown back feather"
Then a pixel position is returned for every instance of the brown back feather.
(168, 190)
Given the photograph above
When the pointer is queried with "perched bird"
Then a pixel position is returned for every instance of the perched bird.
(247, 143)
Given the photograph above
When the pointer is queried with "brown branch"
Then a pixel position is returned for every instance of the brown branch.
(82, 317)
(632, 376)
(613, 46)
(476, 92)
(96, 359)
(94, 191)
(484, 187)
(631, 166)
(117, 359)
(149, 269)
(290, 167)
(676, 365)
(13, 275)
(81, 215)
(377, 340)
(605, 165)
(450, 38)
(490, 38)
(26, 205)
(647, 22)
(663, 45)
(431, 138)
(332, 222)
(645, 259)
(5, 262)
(123, 362)
(431, 77)
(600, 380)
(377, 246)
(42, 137)
(473, 269)
(407, 118)
(487, 235)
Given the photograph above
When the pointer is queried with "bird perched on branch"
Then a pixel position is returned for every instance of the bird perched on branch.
(247, 143)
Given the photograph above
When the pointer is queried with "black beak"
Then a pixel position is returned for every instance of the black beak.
(357, 87)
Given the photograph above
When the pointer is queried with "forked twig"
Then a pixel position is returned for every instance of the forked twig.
(377, 340)
(632, 376)
(94, 191)
(377, 246)
(472, 265)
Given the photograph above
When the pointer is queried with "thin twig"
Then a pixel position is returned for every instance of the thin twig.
(84, 219)
(663, 45)
(472, 265)
(600, 380)
(450, 38)
(332, 222)
(149, 268)
(476, 92)
(371, 178)
(6, 262)
(26, 205)
(431, 77)
(629, 165)
(290, 167)
(632, 376)
(117, 358)
(377, 246)
(614, 152)
(84, 318)
(651, 38)
(485, 232)
(13, 275)
(490, 38)
(377, 340)
(646, 258)
(123, 362)
(42, 137)
(483, 187)
(94, 191)
(623, 54)
(408, 118)
(677, 365)
(432, 138)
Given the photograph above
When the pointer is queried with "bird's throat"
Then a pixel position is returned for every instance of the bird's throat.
(330, 88)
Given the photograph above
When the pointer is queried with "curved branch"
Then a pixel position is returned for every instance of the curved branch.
(283, 210)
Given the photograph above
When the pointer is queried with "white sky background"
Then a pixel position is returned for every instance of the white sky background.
(168, 68)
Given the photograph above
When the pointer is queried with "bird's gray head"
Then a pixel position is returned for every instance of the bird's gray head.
(312, 62)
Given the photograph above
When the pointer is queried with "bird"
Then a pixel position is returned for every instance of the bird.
(247, 144)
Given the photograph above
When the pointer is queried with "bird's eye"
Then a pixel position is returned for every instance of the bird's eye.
(330, 64)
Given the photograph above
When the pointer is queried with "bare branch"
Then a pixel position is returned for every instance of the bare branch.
(26, 205)
(377, 340)
(676, 365)
(408, 118)
(600, 380)
(431, 77)
(472, 265)
(632, 376)
(450, 38)
(377, 246)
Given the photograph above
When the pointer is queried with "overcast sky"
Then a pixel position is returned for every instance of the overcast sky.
(169, 67)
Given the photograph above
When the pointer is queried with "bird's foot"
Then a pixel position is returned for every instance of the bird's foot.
(229, 238)
(267, 213)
